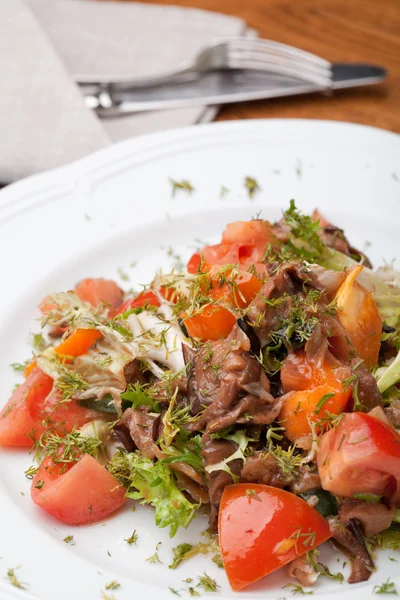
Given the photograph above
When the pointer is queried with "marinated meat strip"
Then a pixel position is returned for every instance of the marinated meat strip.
(334, 237)
(305, 481)
(349, 538)
(213, 452)
(227, 386)
(393, 413)
(287, 285)
(133, 373)
(143, 429)
(367, 388)
(373, 518)
(262, 467)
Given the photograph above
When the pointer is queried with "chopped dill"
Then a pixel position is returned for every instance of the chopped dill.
(386, 588)
(69, 539)
(154, 558)
(182, 185)
(206, 583)
(113, 585)
(132, 539)
(251, 186)
(12, 578)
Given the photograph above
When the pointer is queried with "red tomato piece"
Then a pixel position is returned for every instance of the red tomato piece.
(31, 404)
(84, 493)
(243, 243)
(93, 291)
(256, 232)
(16, 418)
(96, 291)
(262, 528)
(141, 300)
(361, 455)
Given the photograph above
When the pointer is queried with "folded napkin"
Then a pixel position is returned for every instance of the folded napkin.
(45, 45)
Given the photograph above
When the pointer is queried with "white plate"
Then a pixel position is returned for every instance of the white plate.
(102, 213)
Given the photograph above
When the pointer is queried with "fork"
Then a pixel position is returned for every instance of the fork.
(235, 53)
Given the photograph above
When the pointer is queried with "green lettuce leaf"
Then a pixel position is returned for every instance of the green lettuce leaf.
(389, 376)
(153, 483)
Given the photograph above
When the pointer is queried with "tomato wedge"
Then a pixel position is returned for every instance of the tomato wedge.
(16, 418)
(32, 404)
(215, 320)
(361, 455)
(96, 291)
(85, 493)
(141, 300)
(78, 343)
(316, 390)
(262, 528)
(243, 243)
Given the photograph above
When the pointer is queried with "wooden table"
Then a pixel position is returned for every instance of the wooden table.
(338, 30)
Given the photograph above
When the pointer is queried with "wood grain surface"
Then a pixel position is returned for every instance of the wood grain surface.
(337, 30)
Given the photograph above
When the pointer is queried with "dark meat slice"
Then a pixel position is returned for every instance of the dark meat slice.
(229, 386)
(288, 286)
(163, 390)
(262, 467)
(213, 452)
(334, 237)
(367, 388)
(373, 518)
(186, 484)
(325, 279)
(143, 429)
(306, 481)
(393, 413)
(122, 432)
(349, 538)
(265, 316)
(133, 374)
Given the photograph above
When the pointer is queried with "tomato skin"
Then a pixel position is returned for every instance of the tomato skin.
(257, 535)
(16, 419)
(310, 383)
(84, 494)
(31, 404)
(361, 455)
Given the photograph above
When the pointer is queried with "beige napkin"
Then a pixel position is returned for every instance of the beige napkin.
(46, 44)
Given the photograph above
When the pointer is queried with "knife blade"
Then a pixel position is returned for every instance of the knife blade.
(224, 87)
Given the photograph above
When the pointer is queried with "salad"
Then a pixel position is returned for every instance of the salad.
(261, 384)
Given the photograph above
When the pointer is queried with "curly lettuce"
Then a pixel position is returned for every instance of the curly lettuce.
(153, 483)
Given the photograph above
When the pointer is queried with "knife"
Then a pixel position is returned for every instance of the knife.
(223, 87)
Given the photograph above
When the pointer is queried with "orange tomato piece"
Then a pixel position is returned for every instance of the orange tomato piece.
(262, 528)
(316, 390)
(29, 368)
(78, 343)
(360, 317)
(216, 319)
